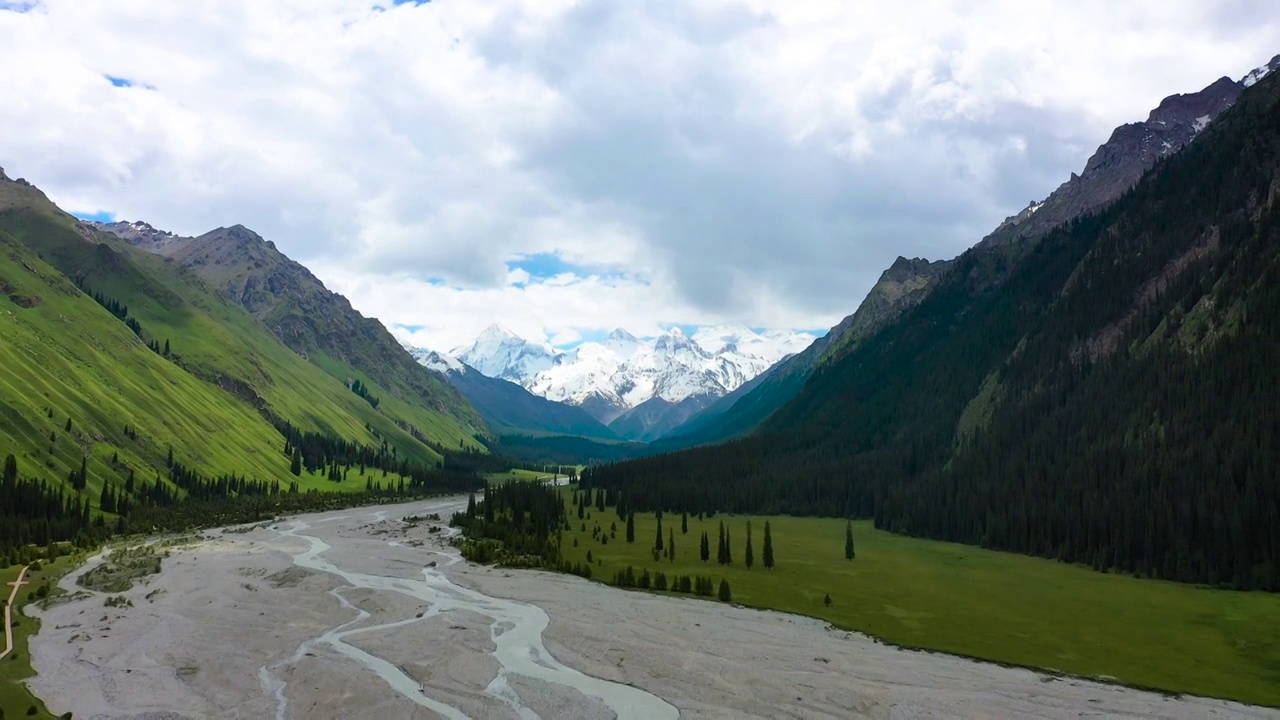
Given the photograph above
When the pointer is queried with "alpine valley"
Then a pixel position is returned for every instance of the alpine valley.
(1052, 461)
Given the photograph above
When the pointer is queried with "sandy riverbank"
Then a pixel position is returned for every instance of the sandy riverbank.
(235, 627)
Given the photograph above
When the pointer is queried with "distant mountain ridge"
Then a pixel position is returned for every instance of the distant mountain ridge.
(671, 375)
(507, 407)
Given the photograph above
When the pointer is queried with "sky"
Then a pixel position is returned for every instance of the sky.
(565, 168)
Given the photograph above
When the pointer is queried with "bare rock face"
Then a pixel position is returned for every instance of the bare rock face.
(901, 287)
(1131, 150)
(139, 234)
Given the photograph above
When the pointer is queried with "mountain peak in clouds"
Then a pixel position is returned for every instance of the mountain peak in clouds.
(622, 336)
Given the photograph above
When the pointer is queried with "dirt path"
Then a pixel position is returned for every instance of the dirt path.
(8, 613)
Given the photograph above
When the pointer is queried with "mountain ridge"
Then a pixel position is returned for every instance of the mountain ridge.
(616, 375)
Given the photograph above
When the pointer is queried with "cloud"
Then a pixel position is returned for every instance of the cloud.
(567, 167)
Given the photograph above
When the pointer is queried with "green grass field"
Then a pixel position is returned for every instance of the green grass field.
(517, 474)
(15, 699)
(969, 601)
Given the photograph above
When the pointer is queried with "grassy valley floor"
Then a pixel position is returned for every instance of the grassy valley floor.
(15, 699)
(974, 602)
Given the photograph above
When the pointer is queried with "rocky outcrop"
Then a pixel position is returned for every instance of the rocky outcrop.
(1131, 150)
(140, 234)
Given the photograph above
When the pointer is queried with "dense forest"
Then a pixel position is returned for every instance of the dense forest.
(1105, 395)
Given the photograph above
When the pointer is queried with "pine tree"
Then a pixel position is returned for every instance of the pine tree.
(728, 548)
(295, 464)
(827, 600)
(720, 554)
(166, 347)
(10, 469)
(631, 527)
(68, 427)
(471, 506)
(749, 556)
(657, 543)
(768, 547)
(725, 595)
(704, 551)
(671, 545)
(848, 541)
(684, 523)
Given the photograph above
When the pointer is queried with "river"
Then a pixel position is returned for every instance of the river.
(515, 628)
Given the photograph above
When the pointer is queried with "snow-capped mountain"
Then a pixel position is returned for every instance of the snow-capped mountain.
(500, 353)
(610, 377)
(506, 406)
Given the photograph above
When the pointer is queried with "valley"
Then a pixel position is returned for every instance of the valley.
(385, 620)
(1031, 473)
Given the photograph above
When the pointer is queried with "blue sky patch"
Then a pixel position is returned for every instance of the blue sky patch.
(545, 265)
(100, 216)
(18, 7)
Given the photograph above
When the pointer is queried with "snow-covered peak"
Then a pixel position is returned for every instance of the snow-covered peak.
(620, 335)
(623, 371)
(500, 353)
(433, 360)
(1258, 73)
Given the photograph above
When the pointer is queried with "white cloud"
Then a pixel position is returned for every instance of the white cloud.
(689, 162)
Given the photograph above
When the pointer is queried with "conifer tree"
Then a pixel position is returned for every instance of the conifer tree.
(471, 506)
(768, 547)
(295, 464)
(720, 545)
(10, 469)
(827, 600)
(631, 527)
(848, 540)
(671, 545)
(704, 551)
(657, 543)
(728, 548)
(684, 523)
(749, 556)
(725, 595)
(68, 427)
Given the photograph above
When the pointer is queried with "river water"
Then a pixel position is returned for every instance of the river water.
(515, 629)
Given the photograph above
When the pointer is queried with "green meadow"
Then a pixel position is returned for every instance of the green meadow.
(15, 700)
(980, 603)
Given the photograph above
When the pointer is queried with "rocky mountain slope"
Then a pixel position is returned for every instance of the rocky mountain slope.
(296, 307)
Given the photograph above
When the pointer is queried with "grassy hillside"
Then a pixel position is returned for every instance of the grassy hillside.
(209, 399)
(291, 304)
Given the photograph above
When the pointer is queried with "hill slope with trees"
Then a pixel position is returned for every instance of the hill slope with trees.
(1102, 394)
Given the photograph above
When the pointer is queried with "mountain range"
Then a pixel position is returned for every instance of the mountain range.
(639, 388)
